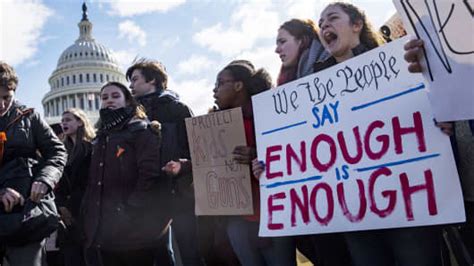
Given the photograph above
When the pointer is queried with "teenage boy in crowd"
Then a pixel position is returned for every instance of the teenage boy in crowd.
(148, 82)
(32, 159)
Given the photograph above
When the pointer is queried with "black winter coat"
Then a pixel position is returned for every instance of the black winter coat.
(70, 191)
(32, 152)
(72, 185)
(166, 108)
(125, 204)
(170, 112)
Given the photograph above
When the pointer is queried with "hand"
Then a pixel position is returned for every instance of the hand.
(244, 154)
(413, 55)
(257, 168)
(38, 190)
(172, 168)
(66, 216)
(446, 127)
(10, 198)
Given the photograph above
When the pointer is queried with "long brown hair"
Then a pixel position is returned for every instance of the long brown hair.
(368, 35)
(304, 30)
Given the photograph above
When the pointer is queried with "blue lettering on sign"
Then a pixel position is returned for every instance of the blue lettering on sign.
(328, 114)
(345, 173)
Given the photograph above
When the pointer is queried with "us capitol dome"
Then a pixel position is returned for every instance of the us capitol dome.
(81, 71)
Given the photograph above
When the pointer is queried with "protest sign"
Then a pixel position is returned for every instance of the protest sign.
(354, 147)
(446, 27)
(221, 186)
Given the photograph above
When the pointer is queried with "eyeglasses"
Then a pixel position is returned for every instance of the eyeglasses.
(222, 82)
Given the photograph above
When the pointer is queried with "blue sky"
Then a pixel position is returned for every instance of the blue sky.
(194, 39)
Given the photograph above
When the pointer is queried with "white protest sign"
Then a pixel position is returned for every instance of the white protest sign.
(354, 147)
(221, 186)
(447, 29)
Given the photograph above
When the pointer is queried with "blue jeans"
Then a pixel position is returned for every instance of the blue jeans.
(416, 246)
(256, 251)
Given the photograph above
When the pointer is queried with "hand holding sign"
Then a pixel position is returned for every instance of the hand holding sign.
(449, 53)
(369, 157)
(244, 154)
(413, 54)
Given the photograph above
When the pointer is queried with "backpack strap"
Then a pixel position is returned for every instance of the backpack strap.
(21, 114)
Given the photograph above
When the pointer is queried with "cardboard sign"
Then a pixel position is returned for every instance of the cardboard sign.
(354, 147)
(446, 27)
(221, 186)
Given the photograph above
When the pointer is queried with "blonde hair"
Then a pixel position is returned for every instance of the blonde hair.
(86, 132)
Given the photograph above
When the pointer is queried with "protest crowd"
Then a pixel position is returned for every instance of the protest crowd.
(121, 192)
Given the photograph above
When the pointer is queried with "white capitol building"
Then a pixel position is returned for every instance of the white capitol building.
(82, 69)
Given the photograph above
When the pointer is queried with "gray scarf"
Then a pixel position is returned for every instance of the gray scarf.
(315, 53)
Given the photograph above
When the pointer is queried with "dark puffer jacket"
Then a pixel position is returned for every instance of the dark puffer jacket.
(166, 108)
(124, 206)
(32, 152)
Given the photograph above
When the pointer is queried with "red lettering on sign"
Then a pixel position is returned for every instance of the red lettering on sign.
(323, 167)
(302, 205)
(390, 194)
(272, 208)
(271, 158)
(417, 128)
(329, 202)
(343, 203)
(408, 190)
(291, 154)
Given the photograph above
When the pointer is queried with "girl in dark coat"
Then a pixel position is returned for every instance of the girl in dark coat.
(124, 208)
(78, 134)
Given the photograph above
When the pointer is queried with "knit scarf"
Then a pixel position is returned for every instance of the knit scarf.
(112, 118)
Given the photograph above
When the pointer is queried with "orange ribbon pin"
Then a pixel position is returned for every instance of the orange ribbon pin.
(120, 151)
(3, 139)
